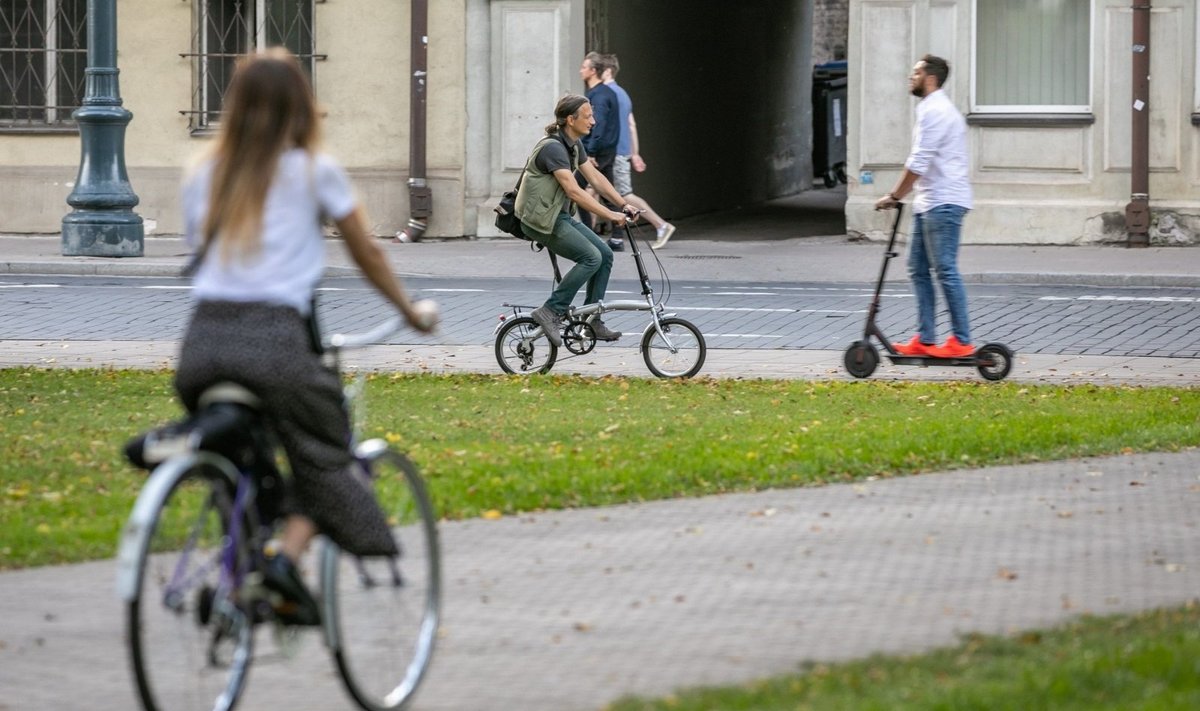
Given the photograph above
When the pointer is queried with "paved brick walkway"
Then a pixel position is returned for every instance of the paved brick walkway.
(565, 611)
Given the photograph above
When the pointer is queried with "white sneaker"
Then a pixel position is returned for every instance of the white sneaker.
(664, 235)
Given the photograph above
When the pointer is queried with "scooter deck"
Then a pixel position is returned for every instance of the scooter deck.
(970, 361)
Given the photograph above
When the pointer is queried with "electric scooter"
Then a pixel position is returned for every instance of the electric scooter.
(993, 360)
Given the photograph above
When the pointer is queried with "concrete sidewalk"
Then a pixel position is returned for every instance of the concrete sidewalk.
(627, 361)
(569, 610)
(796, 239)
(797, 259)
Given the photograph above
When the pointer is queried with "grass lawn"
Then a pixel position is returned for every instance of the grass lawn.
(504, 444)
(1145, 661)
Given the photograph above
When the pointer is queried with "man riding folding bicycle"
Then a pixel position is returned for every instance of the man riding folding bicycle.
(546, 204)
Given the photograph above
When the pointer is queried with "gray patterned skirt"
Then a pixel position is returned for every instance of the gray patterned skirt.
(267, 349)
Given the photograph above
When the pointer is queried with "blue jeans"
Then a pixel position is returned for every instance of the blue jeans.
(593, 261)
(936, 235)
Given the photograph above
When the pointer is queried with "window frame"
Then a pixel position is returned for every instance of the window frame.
(1047, 111)
(51, 121)
(201, 120)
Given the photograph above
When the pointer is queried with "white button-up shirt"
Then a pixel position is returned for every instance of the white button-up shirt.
(939, 155)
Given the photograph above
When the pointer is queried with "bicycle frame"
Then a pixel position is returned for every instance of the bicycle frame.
(154, 492)
(579, 313)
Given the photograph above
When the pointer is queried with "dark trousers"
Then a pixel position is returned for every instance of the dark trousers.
(604, 163)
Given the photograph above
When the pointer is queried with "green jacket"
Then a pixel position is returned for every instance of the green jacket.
(540, 197)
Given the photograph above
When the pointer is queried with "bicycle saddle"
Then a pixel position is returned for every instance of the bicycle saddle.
(224, 422)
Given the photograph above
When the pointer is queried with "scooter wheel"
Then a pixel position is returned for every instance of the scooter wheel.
(861, 359)
(995, 361)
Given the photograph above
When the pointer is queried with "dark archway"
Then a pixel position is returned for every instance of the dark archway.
(722, 95)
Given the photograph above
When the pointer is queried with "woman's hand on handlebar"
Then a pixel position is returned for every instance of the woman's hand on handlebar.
(423, 315)
(630, 213)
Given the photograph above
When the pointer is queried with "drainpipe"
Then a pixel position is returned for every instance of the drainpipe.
(1137, 213)
(420, 198)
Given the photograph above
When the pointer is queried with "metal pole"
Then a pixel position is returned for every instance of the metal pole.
(1137, 213)
(103, 223)
(420, 196)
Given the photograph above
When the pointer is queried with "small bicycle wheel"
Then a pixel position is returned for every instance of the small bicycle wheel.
(679, 355)
(995, 361)
(189, 638)
(861, 359)
(518, 350)
(382, 613)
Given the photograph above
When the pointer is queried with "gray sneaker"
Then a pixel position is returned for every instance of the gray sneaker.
(603, 333)
(550, 323)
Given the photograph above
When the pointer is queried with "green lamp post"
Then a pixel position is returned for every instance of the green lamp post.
(102, 223)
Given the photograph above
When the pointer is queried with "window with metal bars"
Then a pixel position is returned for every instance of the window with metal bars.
(43, 55)
(227, 29)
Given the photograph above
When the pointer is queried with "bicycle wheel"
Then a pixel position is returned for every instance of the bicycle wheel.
(189, 639)
(519, 352)
(688, 342)
(382, 614)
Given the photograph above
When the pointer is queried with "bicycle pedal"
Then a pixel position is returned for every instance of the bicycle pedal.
(290, 612)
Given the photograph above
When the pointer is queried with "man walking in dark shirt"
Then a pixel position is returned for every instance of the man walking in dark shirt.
(601, 143)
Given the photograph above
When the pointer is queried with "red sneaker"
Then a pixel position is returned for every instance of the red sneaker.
(951, 349)
(913, 347)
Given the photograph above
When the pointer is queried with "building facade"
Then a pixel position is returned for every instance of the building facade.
(1046, 88)
(723, 108)
(484, 101)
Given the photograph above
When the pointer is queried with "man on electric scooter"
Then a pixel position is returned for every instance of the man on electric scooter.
(937, 169)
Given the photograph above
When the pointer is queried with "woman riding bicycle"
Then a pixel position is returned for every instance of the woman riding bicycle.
(253, 210)
(546, 204)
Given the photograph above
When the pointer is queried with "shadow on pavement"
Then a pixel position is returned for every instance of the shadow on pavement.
(812, 213)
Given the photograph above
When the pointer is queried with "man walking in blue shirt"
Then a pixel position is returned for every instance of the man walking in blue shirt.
(938, 169)
(601, 143)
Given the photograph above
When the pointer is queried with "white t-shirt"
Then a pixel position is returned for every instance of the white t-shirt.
(292, 258)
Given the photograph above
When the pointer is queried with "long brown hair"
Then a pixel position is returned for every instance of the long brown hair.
(268, 109)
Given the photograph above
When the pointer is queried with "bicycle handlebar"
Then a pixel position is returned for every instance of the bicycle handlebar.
(375, 335)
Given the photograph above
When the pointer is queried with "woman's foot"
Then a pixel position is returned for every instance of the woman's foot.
(296, 605)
